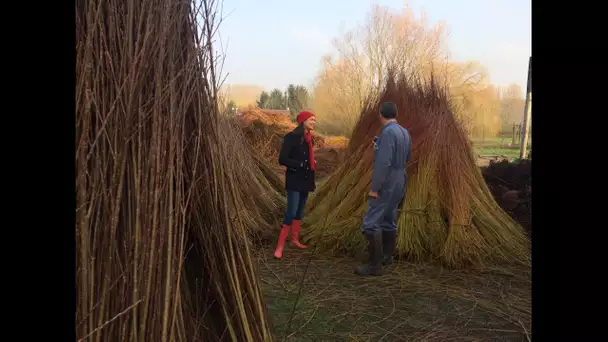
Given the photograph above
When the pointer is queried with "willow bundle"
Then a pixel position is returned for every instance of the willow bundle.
(160, 252)
(260, 195)
(448, 213)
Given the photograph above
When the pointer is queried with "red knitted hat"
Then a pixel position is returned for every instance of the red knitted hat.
(303, 116)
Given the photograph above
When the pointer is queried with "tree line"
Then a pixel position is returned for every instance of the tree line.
(484, 110)
(295, 98)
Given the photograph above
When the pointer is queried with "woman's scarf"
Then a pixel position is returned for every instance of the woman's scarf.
(311, 152)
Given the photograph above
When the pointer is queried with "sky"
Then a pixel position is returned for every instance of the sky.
(272, 43)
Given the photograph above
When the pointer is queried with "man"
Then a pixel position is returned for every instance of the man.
(392, 152)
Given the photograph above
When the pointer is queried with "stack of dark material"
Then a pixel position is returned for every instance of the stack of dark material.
(511, 186)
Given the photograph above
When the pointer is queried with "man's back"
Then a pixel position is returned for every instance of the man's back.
(399, 145)
(403, 144)
(393, 151)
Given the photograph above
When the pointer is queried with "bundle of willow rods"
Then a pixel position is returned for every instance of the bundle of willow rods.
(160, 252)
(260, 191)
(448, 213)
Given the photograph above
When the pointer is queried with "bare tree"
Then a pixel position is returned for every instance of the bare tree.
(512, 105)
(338, 96)
(406, 43)
(387, 39)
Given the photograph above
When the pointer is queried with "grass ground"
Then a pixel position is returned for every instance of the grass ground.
(499, 147)
(497, 151)
(409, 303)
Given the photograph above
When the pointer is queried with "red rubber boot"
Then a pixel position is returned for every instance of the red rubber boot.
(295, 233)
(278, 253)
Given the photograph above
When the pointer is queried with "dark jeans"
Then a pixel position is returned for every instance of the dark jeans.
(295, 206)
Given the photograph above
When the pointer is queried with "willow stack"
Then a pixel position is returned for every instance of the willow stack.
(160, 250)
(448, 213)
(260, 195)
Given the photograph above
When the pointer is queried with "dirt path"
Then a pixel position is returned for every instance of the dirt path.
(410, 302)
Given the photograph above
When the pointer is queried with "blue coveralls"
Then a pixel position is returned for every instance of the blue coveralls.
(392, 152)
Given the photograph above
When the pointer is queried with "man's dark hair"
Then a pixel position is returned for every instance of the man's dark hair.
(388, 110)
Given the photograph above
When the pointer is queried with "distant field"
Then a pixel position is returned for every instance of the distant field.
(496, 147)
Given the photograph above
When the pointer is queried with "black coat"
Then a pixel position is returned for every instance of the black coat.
(294, 155)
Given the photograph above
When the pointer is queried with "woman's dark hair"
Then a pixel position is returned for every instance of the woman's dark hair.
(388, 110)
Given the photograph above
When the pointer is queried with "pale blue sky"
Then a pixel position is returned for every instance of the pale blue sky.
(272, 43)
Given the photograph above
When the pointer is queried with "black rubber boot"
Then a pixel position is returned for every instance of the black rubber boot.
(389, 240)
(374, 261)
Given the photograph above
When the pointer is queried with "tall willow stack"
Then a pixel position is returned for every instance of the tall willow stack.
(448, 213)
(160, 254)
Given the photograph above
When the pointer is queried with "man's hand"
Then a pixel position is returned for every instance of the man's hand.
(373, 195)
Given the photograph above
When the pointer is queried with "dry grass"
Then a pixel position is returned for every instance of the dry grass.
(448, 215)
(255, 115)
(328, 160)
(265, 129)
(411, 302)
(161, 255)
(335, 142)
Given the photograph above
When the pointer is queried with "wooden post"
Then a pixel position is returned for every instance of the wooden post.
(519, 127)
(514, 136)
(523, 151)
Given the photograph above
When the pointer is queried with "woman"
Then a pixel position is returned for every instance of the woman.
(297, 156)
